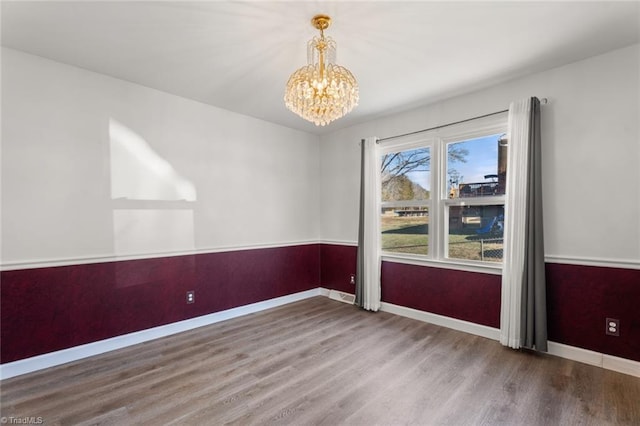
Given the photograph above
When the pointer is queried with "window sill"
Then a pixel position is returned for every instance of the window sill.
(468, 266)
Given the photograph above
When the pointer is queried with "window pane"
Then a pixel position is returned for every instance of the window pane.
(476, 167)
(405, 230)
(405, 189)
(476, 232)
(405, 175)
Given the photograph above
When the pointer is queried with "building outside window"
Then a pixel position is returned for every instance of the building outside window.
(443, 192)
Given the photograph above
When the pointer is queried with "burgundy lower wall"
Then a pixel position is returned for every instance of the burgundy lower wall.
(463, 295)
(48, 309)
(579, 298)
(338, 263)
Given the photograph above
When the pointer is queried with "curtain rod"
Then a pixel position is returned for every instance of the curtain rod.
(543, 101)
(442, 125)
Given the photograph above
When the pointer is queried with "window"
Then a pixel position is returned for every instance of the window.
(442, 194)
(405, 183)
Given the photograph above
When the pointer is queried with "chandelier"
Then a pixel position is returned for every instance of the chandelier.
(321, 91)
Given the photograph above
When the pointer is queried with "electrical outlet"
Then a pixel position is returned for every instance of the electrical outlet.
(613, 327)
(191, 296)
(352, 279)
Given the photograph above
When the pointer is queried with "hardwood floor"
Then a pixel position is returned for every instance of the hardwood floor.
(322, 362)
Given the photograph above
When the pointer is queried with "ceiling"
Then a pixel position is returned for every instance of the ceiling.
(239, 55)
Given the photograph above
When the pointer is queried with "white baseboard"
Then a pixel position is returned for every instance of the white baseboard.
(75, 353)
(621, 365)
(456, 324)
(585, 356)
(609, 362)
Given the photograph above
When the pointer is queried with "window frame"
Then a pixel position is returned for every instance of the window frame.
(439, 202)
(407, 145)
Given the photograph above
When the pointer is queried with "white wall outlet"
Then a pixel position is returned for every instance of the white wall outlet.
(613, 327)
(352, 279)
(191, 296)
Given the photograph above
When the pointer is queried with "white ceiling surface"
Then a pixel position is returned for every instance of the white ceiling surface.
(239, 55)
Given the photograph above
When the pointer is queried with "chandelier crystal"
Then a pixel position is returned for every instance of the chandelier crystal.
(321, 91)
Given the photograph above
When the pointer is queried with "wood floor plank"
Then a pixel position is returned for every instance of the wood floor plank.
(323, 362)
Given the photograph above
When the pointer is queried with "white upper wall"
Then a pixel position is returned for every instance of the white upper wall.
(94, 166)
(591, 154)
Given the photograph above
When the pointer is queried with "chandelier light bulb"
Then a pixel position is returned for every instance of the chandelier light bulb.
(321, 91)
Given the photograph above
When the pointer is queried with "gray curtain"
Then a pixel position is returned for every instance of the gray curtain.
(523, 310)
(534, 291)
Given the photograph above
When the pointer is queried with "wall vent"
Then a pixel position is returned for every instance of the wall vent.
(342, 297)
